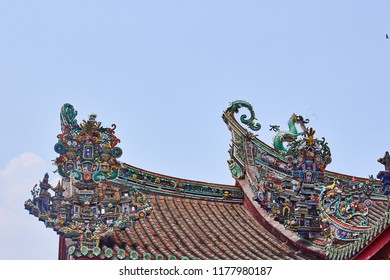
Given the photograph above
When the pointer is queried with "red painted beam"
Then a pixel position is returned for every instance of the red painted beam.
(62, 248)
(375, 245)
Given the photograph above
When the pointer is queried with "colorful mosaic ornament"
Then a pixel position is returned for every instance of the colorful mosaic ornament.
(87, 151)
(87, 205)
(308, 157)
(342, 204)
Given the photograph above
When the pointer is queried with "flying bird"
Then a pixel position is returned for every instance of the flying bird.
(387, 36)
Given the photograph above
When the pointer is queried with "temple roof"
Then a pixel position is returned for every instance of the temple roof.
(284, 204)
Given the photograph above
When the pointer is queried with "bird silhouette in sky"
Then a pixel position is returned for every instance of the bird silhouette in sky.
(387, 36)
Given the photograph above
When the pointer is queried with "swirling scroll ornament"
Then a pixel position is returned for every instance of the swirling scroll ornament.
(249, 121)
(68, 117)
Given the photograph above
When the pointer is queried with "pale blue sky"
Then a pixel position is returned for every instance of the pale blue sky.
(164, 71)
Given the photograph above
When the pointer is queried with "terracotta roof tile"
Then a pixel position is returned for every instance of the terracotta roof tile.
(190, 228)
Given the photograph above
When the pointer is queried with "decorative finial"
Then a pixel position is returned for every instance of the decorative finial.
(310, 137)
(385, 161)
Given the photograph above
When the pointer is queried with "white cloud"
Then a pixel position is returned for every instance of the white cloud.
(19, 175)
(23, 236)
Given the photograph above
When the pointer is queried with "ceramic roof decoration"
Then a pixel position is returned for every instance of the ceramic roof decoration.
(328, 214)
(284, 204)
(86, 206)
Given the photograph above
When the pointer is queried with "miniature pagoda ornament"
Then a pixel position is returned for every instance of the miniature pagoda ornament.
(88, 205)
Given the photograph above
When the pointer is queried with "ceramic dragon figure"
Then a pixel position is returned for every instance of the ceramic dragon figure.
(290, 135)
